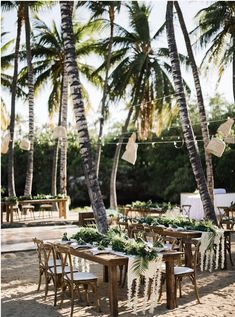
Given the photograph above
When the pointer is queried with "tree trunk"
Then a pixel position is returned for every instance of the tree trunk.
(29, 172)
(103, 106)
(11, 170)
(78, 104)
(64, 142)
(234, 68)
(113, 192)
(185, 121)
(201, 107)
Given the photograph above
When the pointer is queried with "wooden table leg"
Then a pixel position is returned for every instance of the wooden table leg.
(105, 274)
(113, 301)
(170, 285)
(11, 214)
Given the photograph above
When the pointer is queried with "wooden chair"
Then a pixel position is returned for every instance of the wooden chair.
(27, 208)
(45, 207)
(41, 260)
(185, 210)
(74, 279)
(181, 272)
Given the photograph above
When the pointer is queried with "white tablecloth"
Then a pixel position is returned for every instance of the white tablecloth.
(196, 211)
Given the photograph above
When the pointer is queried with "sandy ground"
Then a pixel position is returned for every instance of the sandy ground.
(20, 296)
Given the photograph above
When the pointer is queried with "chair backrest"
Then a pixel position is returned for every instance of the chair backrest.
(39, 249)
(170, 241)
(66, 261)
(49, 254)
(185, 209)
(152, 237)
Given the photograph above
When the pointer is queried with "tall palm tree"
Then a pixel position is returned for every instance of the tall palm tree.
(29, 170)
(20, 6)
(49, 69)
(99, 9)
(185, 120)
(217, 28)
(78, 104)
(141, 70)
(8, 5)
(201, 107)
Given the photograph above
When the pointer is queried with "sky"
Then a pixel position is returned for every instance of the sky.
(189, 9)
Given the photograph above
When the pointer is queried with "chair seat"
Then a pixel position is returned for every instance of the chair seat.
(45, 206)
(82, 276)
(59, 270)
(51, 262)
(28, 207)
(182, 270)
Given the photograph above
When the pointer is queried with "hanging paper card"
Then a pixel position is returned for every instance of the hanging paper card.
(25, 144)
(5, 143)
(230, 139)
(216, 147)
(60, 132)
(225, 128)
(130, 155)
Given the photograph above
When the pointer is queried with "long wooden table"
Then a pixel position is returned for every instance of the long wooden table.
(112, 262)
(61, 205)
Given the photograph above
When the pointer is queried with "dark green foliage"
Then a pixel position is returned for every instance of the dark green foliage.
(160, 174)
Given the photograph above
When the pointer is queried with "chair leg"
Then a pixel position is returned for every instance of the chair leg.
(55, 282)
(121, 270)
(72, 300)
(40, 279)
(63, 288)
(85, 287)
(46, 286)
(97, 300)
(195, 288)
(180, 289)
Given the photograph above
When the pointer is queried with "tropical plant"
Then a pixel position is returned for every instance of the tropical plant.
(185, 120)
(216, 27)
(139, 71)
(84, 140)
(200, 101)
(49, 68)
(99, 9)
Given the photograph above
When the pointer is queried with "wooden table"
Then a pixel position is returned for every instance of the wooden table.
(112, 262)
(61, 204)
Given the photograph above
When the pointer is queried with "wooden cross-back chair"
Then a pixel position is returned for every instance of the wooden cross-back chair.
(181, 272)
(73, 279)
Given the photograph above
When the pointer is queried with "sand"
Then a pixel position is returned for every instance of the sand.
(20, 296)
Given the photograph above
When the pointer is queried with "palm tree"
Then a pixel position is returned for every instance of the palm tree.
(143, 71)
(8, 5)
(20, 6)
(217, 26)
(185, 120)
(78, 104)
(201, 107)
(49, 69)
(29, 171)
(99, 8)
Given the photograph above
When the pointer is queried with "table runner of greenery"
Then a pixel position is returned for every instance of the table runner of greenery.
(144, 260)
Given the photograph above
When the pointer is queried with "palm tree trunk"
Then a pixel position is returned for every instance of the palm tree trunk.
(78, 104)
(11, 170)
(201, 107)
(113, 192)
(56, 150)
(29, 172)
(234, 68)
(185, 121)
(99, 141)
(63, 148)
